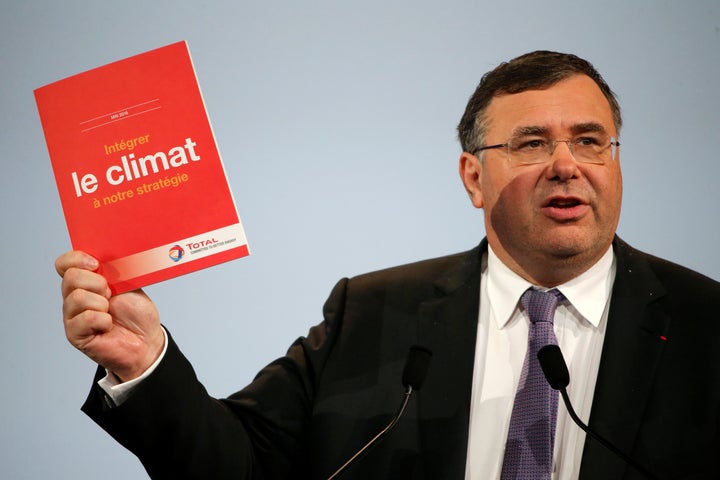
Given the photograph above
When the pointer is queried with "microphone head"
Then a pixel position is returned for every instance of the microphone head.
(416, 367)
(554, 367)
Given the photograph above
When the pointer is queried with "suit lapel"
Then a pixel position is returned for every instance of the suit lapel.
(631, 350)
(448, 326)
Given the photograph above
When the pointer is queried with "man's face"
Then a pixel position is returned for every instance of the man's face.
(561, 213)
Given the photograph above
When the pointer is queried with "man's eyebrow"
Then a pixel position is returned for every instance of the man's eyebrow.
(540, 131)
(588, 127)
(530, 130)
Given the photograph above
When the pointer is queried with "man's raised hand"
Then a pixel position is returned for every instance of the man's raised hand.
(122, 333)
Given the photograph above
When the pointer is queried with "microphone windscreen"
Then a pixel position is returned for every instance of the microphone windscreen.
(554, 367)
(416, 367)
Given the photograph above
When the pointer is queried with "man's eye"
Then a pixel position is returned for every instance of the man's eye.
(531, 144)
(587, 142)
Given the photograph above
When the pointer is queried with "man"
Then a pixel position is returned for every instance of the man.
(541, 158)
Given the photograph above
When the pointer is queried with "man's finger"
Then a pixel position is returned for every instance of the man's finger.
(75, 259)
(79, 300)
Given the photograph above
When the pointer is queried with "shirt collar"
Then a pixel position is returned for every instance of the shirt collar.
(588, 293)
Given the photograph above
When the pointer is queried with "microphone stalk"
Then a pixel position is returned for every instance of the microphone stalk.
(414, 373)
(602, 440)
(556, 372)
(376, 439)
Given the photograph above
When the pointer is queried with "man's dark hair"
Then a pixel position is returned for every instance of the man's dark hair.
(533, 71)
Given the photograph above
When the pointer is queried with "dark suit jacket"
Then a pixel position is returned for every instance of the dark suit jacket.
(657, 395)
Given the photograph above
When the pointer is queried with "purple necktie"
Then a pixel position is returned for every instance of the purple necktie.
(531, 438)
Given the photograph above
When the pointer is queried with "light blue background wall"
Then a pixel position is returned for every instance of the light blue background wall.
(336, 122)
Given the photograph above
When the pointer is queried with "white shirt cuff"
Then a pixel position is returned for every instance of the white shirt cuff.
(119, 392)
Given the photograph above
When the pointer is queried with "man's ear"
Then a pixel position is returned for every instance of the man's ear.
(471, 175)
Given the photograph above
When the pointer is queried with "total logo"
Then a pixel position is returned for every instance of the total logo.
(176, 253)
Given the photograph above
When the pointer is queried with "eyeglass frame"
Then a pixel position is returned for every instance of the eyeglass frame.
(551, 148)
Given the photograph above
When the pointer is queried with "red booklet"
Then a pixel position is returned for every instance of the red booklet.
(140, 177)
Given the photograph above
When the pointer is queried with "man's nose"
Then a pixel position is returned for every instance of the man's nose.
(562, 161)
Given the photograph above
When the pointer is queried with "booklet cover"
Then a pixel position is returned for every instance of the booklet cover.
(140, 177)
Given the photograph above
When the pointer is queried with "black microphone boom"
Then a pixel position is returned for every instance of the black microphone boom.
(556, 372)
(414, 373)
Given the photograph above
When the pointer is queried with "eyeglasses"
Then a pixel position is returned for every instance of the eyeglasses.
(530, 150)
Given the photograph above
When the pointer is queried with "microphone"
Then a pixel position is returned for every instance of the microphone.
(414, 373)
(556, 372)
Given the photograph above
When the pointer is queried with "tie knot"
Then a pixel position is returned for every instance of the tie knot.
(541, 305)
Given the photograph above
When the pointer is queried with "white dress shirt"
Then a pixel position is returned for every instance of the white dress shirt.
(500, 352)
